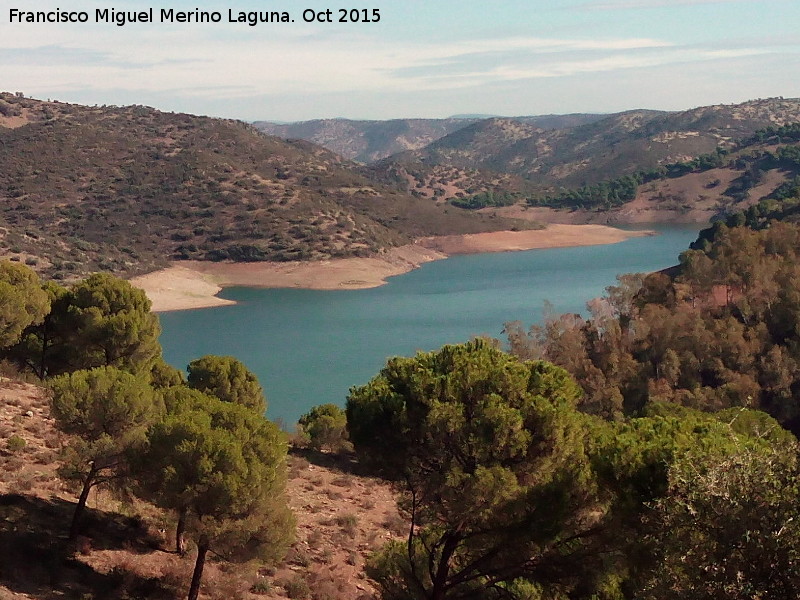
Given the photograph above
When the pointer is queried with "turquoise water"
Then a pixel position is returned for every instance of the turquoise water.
(309, 347)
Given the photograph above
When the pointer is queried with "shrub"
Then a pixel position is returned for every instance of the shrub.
(299, 557)
(15, 443)
(348, 523)
(297, 588)
(326, 427)
(262, 587)
(9, 110)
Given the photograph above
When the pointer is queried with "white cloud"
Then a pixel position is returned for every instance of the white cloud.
(175, 59)
(533, 69)
(230, 63)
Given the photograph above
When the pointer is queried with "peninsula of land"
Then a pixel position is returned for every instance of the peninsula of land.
(195, 284)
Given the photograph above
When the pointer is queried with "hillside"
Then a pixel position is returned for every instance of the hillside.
(537, 159)
(562, 121)
(366, 141)
(128, 189)
(341, 516)
(691, 198)
(370, 141)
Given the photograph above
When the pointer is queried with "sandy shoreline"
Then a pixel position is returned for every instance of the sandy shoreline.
(554, 236)
(195, 284)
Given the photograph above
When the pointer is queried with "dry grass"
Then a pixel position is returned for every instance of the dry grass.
(341, 519)
(25, 416)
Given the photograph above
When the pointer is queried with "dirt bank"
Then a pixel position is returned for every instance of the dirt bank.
(195, 284)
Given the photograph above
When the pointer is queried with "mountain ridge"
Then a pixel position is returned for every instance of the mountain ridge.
(368, 141)
(615, 145)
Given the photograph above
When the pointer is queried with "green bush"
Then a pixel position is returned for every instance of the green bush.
(297, 588)
(15, 443)
(326, 427)
(262, 587)
(348, 523)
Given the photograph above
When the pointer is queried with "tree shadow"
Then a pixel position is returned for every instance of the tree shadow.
(343, 462)
(38, 561)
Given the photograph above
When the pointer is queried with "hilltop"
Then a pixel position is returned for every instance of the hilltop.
(367, 141)
(370, 141)
(132, 189)
(128, 189)
(520, 156)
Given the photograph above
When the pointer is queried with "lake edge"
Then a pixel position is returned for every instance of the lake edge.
(188, 285)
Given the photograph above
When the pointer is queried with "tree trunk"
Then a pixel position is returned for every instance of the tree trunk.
(180, 542)
(440, 578)
(202, 550)
(45, 347)
(79, 510)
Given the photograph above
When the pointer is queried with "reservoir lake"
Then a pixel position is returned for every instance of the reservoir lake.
(308, 347)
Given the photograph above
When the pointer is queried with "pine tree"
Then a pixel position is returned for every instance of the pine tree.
(223, 467)
(108, 411)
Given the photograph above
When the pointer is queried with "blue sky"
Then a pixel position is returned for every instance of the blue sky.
(429, 58)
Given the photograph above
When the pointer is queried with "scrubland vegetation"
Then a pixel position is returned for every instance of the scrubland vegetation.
(127, 189)
(647, 451)
(502, 155)
(768, 148)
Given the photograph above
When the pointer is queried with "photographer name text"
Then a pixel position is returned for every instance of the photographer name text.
(120, 18)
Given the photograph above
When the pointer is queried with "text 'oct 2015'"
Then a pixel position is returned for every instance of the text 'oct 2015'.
(121, 18)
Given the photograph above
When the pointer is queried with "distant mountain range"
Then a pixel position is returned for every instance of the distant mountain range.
(457, 157)
(367, 141)
(588, 152)
(370, 141)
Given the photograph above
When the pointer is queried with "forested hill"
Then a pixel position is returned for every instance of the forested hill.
(370, 141)
(763, 166)
(616, 145)
(126, 189)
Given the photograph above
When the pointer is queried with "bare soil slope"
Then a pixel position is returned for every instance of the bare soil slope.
(125, 553)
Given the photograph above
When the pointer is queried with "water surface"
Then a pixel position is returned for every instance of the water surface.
(309, 347)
